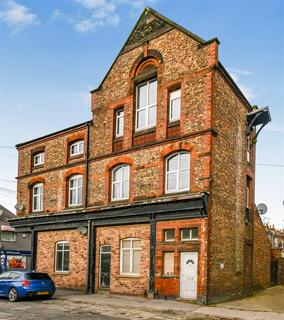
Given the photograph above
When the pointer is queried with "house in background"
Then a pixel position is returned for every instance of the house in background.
(155, 194)
(15, 248)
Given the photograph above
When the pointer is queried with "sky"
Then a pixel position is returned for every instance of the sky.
(53, 52)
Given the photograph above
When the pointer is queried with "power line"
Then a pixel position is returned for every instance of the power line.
(270, 165)
(7, 180)
(8, 190)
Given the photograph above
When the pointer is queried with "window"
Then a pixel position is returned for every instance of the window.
(169, 263)
(39, 159)
(130, 256)
(248, 149)
(62, 256)
(77, 148)
(146, 104)
(169, 235)
(174, 112)
(178, 172)
(119, 123)
(120, 182)
(248, 193)
(75, 190)
(37, 197)
(189, 234)
(8, 236)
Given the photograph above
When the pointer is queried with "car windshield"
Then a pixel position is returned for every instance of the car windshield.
(37, 276)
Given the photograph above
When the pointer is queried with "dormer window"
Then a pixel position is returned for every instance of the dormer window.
(146, 105)
(38, 159)
(77, 148)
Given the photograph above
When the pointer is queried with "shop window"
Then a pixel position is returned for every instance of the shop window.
(130, 256)
(8, 236)
(62, 256)
(188, 234)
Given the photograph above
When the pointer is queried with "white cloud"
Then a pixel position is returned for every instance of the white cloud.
(17, 15)
(237, 74)
(103, 12)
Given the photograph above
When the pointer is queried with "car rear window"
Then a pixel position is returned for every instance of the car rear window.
(37, 276)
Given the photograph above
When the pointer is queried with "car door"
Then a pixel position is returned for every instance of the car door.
(4, 283)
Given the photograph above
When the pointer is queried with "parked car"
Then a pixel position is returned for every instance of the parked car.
(18, 284)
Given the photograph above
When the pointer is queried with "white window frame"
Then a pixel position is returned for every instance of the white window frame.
(146, 108)
(76, 189)
(119, 114)
(5, 239)
(38, 159)
(131, 249)
(76, 145)
(247, 197)
(182, 238)
(174, 95)
(38, 197)
(177, 171)
(63, 255)
(120, 182)
(166, 235)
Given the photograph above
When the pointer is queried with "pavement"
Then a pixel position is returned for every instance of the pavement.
(264, 305)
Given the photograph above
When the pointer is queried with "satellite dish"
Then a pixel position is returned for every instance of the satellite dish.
(19, 206)
(83, 230)
(261, 208)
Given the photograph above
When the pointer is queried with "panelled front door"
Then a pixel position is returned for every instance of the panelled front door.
(105, 266)
(188, 275)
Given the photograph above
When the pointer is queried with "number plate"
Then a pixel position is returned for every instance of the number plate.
(43, 292)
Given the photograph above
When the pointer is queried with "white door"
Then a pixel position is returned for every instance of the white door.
(188, 275)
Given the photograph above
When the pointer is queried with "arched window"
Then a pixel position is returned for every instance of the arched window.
(178, 172)
(75, 190)
(130, 257)
(37, 197)
(62, 252)
(120, 182)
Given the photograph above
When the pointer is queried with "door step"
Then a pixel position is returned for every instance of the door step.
(103, 291)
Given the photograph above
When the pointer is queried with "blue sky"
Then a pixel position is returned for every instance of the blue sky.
(53, 52)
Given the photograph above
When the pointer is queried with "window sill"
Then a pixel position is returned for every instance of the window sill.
(176, 193)
(77, 156)
(173, 123)
(164, 276)
(117, 139)
(62, 273)
(141, 132)
(129, 276)
(34, 167)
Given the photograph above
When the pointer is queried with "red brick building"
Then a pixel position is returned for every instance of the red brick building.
(155, 194)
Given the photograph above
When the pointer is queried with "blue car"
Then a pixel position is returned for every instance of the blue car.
(17, 284)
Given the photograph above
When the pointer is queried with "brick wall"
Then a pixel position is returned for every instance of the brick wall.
(227, 193)
(281, 271)
(169, 286)
(45, 261)
(262, 255)
(136, 285)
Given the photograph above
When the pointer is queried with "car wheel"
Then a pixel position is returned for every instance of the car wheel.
(13, 295)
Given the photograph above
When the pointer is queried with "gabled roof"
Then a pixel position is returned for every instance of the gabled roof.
(5, 213)
(150, 25)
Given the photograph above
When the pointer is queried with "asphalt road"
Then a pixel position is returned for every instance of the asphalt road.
(46, 310)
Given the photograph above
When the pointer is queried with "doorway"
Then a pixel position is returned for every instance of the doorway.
(188, 275)
(105, 259)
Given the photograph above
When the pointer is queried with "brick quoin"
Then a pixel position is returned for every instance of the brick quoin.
(212, 128)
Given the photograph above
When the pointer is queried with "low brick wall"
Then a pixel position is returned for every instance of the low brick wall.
(281, 271)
